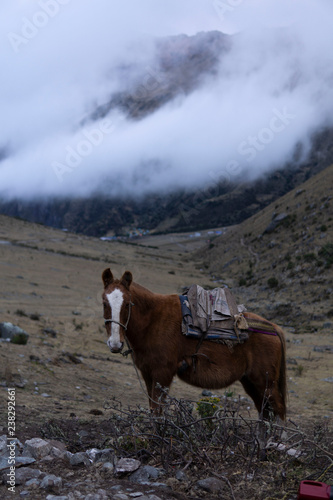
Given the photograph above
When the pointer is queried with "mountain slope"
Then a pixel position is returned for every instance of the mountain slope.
(283, 254)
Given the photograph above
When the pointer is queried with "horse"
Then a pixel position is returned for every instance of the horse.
(151, 325)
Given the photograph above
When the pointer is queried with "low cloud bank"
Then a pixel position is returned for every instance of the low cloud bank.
(62, 59)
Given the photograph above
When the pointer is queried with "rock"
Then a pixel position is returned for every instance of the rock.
(50, 332)
(58, 452)
(24, 474)
(51, 482)
(79, 458)
(181, 476)
(108, 466)
(95, 496)
(37, 448)
(3, 445)
(95, 455)
(210, 484)
(144, 474)
(18, 461)
(276, 220)
(33, 482)
(13, 333)
(127, 465)
(323, 348)
(56, 497)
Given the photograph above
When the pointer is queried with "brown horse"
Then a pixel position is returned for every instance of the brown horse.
(151, 324)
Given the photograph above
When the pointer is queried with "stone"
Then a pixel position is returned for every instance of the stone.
(210, 484)
(3, 445)
(57, 452)
(127, 465)
(50, 332)
(18, 461)
(94, 496)
(56, 497)
(95, 455)
(24, 474)
(79, 458)
(51, 482)
(13, 333)
(37, 448)
(33, 482)
(181, 476)
(144, 474)
(108, 466)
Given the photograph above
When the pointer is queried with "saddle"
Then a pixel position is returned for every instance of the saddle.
(213, 315)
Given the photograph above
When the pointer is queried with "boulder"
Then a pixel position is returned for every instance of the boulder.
(37, 448)
(13, 333)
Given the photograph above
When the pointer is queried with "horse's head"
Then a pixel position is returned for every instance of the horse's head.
(117, 308)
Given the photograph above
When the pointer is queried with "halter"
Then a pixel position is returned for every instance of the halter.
(124, 326)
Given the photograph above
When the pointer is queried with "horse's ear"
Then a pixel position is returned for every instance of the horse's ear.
(107, 277)
(126, 279)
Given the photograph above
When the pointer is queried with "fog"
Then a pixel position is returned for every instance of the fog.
(61, 59)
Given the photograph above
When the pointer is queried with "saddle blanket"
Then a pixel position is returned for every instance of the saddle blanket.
(213, 314)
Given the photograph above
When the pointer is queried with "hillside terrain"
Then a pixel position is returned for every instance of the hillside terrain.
(278, 263)
(281, 259)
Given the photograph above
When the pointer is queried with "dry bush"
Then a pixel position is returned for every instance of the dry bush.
(224, 444)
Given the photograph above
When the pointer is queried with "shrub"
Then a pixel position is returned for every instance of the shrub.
(326, 252)
(272, 282)
(309, 257)
(206, 407)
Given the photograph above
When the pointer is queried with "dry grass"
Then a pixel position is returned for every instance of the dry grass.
(50, 281)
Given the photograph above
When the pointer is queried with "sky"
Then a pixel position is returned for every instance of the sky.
(62, 58)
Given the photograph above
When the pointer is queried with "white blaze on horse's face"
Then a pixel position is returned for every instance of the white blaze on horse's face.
(116, 299)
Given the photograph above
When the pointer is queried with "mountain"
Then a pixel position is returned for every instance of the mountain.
(220, 205)
(282, 257)
(183, 64)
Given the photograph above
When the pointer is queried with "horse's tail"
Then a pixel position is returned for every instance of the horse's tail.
(282, 382)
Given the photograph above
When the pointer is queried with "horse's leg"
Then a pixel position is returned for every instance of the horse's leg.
(267, 400)
(259, 395)
(156, 392)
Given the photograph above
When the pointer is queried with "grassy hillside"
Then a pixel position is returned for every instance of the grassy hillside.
(281, 259)
(67, 382)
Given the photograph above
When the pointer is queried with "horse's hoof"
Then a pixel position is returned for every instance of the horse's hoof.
(182, 367)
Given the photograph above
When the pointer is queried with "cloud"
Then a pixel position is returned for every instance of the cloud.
(61, 59)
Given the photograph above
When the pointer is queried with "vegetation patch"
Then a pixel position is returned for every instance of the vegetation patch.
(209, 438)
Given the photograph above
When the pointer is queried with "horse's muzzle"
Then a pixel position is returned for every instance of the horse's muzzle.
(116, 350)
